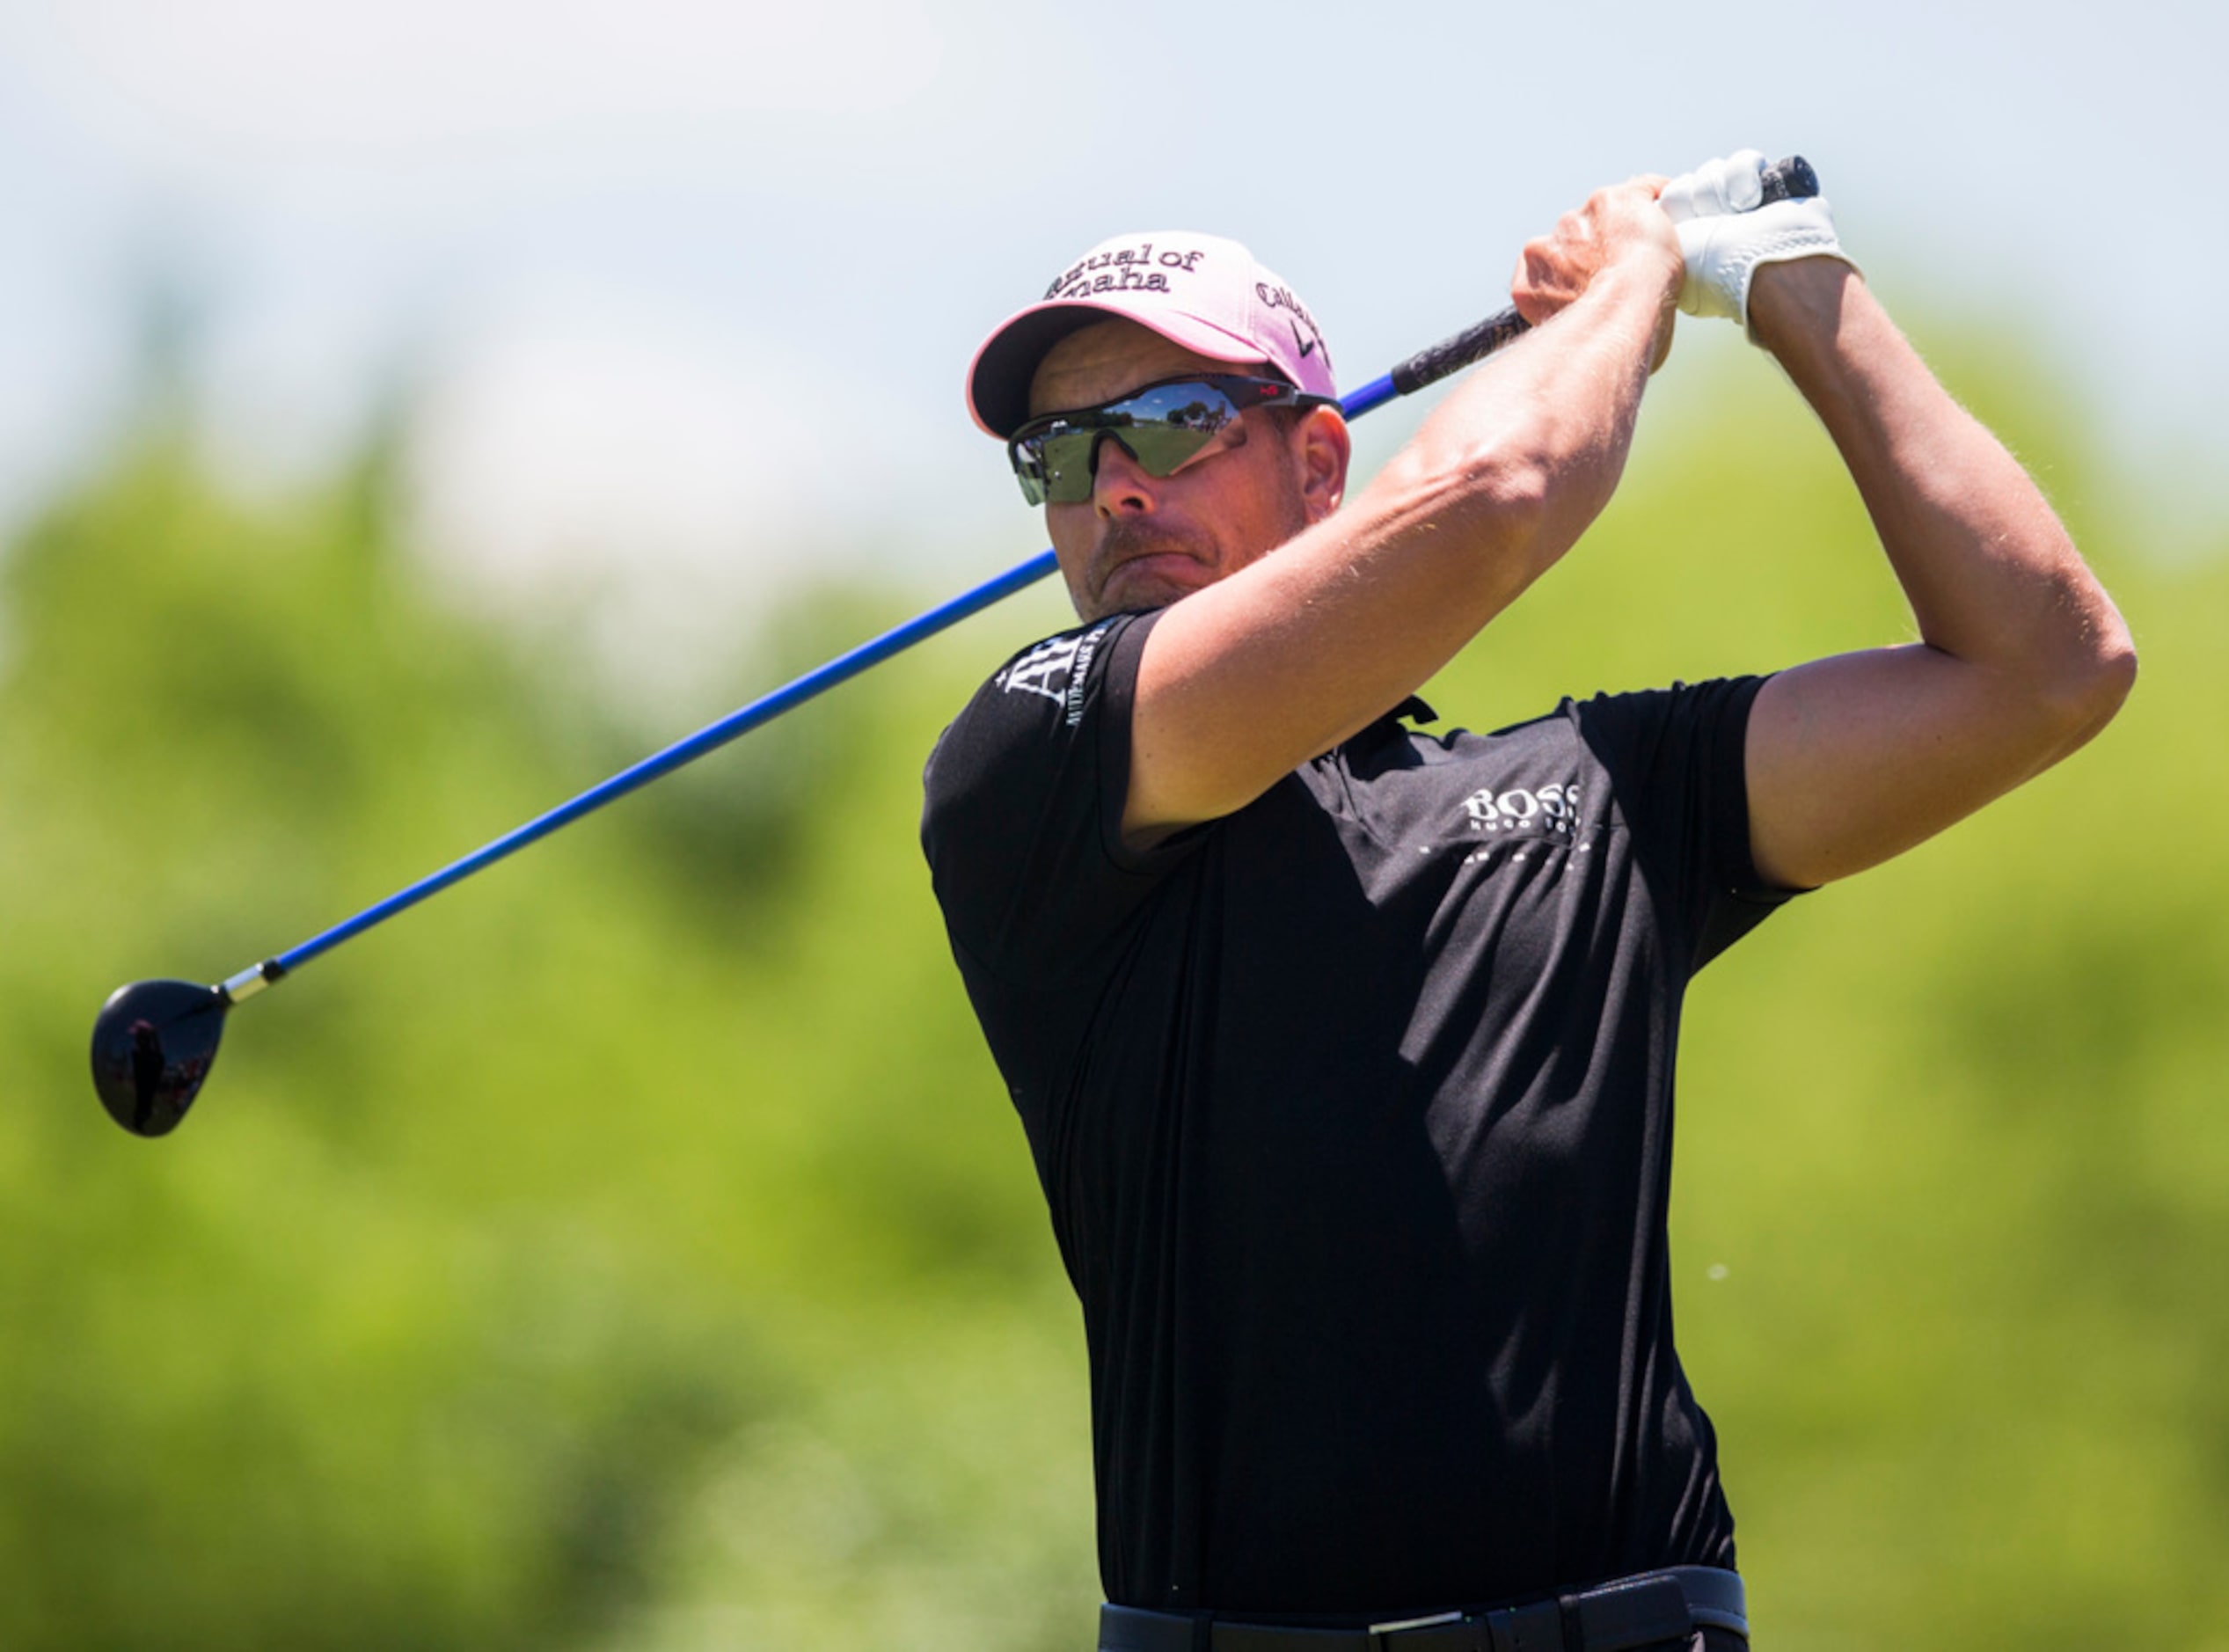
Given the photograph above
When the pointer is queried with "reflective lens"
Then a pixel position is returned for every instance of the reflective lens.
(1161, 427)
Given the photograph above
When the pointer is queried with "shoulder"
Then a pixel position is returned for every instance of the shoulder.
(1041, 737)
(1041, 689)
(1021, 816)
(1058, 668)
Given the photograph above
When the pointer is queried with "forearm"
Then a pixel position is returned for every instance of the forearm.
(1993, 579)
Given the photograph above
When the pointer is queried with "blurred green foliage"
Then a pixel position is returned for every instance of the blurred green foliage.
(634, 1248)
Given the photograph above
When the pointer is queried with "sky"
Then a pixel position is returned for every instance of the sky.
(677, 294)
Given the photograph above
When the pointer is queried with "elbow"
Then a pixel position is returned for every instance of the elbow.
(2089, 690)
(2111, 679)
(2115, 666)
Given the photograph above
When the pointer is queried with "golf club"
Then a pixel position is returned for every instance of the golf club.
(154, 1041)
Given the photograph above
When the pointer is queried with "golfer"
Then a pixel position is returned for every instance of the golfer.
(1344, 1048)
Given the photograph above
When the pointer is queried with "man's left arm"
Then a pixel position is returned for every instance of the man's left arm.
(2022, 657)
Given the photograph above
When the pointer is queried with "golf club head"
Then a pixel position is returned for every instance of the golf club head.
(153, 1042)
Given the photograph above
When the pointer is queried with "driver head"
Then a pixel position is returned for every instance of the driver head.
(153, 1042)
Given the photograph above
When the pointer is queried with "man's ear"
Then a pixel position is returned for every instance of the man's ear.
(1322, 449)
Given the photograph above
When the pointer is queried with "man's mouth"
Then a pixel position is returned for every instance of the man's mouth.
(1133, 552)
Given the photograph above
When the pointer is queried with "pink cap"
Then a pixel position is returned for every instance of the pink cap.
(1200, 291)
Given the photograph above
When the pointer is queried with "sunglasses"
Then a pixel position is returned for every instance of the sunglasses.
(1162, 427)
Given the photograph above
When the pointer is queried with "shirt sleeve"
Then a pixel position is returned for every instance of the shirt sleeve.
(1678, 773)
(1022, 813)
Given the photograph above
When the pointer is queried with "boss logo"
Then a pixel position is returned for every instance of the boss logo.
(1552, 808)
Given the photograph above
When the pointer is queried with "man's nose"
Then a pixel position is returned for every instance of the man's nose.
(1120, 485)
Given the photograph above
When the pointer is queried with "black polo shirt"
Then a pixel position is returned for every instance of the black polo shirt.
(1353, 1110)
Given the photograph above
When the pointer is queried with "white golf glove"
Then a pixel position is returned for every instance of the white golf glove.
(1725, 235)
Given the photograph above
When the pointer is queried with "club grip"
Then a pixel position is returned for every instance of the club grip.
(1788, 179)
(1435, 361)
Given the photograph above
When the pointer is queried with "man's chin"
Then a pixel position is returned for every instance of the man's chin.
(1150, 581)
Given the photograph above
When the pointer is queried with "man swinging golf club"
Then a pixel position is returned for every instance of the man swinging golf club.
(1345, 1051)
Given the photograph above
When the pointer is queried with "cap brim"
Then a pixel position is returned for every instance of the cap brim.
(998, 378)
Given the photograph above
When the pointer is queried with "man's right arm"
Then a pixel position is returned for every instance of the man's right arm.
(1242, 681)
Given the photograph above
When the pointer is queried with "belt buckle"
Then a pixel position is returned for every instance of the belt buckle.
(1378, 1631)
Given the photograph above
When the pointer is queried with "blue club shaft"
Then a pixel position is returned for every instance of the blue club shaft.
(764, 709)
(711, 736)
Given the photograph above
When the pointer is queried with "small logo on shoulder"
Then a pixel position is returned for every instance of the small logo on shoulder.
(1057, 670)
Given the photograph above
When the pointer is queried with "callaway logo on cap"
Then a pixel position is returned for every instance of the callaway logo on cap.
(1200, 291)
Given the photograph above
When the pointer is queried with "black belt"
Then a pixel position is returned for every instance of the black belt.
(1634, 1611)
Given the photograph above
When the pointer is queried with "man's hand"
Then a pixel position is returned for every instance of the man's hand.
(1725, 236)
(1620, 227)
